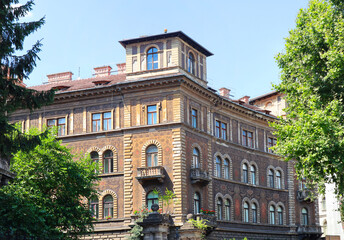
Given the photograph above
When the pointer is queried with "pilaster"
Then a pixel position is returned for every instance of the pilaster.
(128, 176)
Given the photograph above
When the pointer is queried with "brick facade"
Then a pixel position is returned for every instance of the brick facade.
(176, 95)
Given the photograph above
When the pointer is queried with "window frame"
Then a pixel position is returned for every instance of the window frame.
(218, 167)
(271, 178)
(270, 143)
(194, 118)
(245, 173)
(94, 207)
(108, 206)
(153, 54)
(196, 158)
(278, 179)
(98, 124)
(254, 213)
(227, 210)
(253, 174)
(219, 206)
(191, 63)
(197, 203)
(280, 215)
(61, 127)
(247, 138)
(304, 217)
(152, 116)
(108, 162)
(246, 212)
(152, 158)
(272, 214)
(221, 130)
(226, 168)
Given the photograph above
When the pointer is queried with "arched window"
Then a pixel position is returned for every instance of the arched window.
(226, 168)
(271, 178)
(218, 167)
(244, 173)
(272, 215)
(108, 161)
(197, 203)
(152, 58)
(152, 156)
(108, 206)
(152, 198)
(254, 213)
(219, 208)
(191, 63)
(253, 175)
(95, 158)
(278, 179)
(195, 158)
(246, 212)
(304, 216)
(94, 207)
(280, 215)
(227, 210)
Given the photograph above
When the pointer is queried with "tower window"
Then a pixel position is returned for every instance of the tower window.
(152, 58)
(191, 63)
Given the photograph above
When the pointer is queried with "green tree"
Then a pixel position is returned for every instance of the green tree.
(13, 69)
(312, 77)
(48, 189)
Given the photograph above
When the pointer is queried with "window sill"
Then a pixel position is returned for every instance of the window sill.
(111, 174)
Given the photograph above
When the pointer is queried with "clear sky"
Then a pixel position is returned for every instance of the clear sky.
(243, 35)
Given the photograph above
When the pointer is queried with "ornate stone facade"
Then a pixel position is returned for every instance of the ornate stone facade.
(158, 125)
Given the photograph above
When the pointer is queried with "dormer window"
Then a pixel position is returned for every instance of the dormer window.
(61, 88)
(191, 63)
(101, 83)
(152, 58)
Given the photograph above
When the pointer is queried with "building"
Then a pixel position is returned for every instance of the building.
(156, 124)
(329, 216)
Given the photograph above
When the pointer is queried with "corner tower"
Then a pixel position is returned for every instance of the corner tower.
(165, 54)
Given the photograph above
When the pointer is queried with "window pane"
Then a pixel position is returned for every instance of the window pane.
(151, 114)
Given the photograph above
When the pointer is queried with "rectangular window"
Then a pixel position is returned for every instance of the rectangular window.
(217, 129)
(247, 138)
(61, 127)
(96, 122)
(101, 121)
(151, 114)
(194, 118)
(221, 130)
(271, 142)
(224, 131)
(51, 122)
(107, 121)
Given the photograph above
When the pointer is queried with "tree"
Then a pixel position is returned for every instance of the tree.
(44, 199)
(13, 69)
(312, 77)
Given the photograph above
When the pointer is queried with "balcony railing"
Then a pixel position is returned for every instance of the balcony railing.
(200, 176)
(150, 173)
(304, 195)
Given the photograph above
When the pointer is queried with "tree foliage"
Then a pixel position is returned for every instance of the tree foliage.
(13, 69)
(45, 197)
(312, 78)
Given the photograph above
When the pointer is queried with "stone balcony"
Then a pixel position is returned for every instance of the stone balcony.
(309, 232)
(303, 195)
(151, 174)
(199, 176)
(210, 219)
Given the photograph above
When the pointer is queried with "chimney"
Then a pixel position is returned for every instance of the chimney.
(102, 71)
(225, 92)
(60, 77)
(121, 67)
(245, 99)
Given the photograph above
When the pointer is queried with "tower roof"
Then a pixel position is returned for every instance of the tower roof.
(178, 34)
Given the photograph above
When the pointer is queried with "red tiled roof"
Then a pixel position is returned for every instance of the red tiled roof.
(81, 84)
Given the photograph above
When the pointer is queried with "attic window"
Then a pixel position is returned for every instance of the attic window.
(101, 83)
(61, 87)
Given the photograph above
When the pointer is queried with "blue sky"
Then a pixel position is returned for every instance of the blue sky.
(244, 35)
